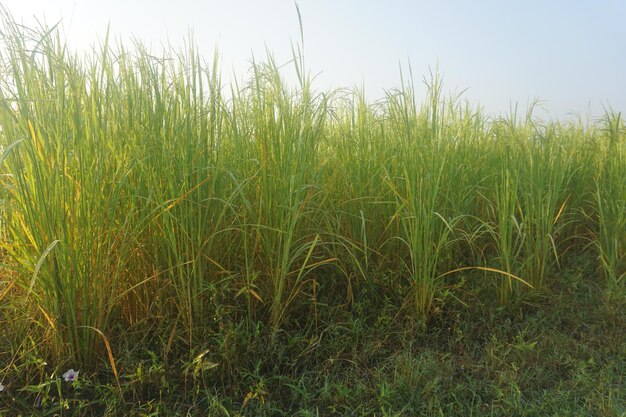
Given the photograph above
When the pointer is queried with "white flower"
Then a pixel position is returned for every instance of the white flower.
(1, 387)
(70, 376)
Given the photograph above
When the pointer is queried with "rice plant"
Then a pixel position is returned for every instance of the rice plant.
(142, 198)
(610, 199)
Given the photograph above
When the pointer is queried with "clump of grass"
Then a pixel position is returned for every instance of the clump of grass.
(418, 184)
(506, 233)
(610, 199)
(70, 220)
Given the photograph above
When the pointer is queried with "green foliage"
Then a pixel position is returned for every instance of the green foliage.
(271, 249)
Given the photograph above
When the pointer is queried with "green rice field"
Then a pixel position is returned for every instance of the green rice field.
(264, 248)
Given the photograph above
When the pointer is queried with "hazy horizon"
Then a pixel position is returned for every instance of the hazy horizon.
(566, 54)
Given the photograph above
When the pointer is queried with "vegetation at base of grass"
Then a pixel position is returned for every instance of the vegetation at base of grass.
(261, 249)
(559, 354)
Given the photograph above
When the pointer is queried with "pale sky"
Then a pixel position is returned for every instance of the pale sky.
(569, 53)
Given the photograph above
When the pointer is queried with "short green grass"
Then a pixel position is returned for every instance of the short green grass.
(264, 249)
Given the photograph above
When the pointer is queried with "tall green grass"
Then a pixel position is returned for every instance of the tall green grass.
(143, 198)
(610, 200)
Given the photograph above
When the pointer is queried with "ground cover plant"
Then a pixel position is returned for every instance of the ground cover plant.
(171, 245)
